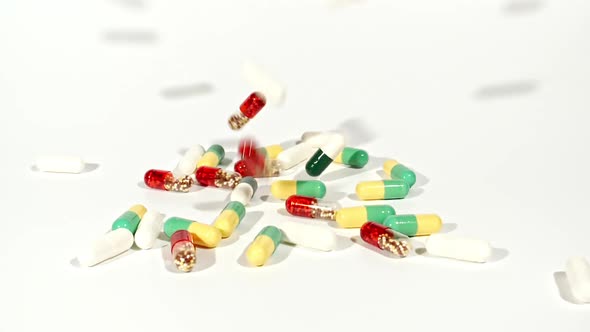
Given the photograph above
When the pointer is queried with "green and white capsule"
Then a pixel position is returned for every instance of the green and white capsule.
(283, 189)
(212, 157)
(355, 158)
(398, 171)
(324, 156)
(229, 219)
(414, 224)
(245, 190)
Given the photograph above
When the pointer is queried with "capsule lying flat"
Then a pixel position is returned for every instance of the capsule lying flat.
(461, 248)
(577, 270)
(108, 245)
(60, 164)
(309, 236)
(149, 229)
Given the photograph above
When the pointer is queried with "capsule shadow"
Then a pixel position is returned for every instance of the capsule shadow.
(357, 130)
(89, 167)
(250, 219)
(343, 242)
(290, 143)
(210, 205)
(448, 227)
(188, 90)
(498, 254)
(414, 192)
(206, 258)
(563, 286)
(228, 159)
(341, 174)
(334, 196)
(75, 262)
(131, 4)
(522, 7)
(130, 36)
(421, 179)
(506, 89)
(281, 253)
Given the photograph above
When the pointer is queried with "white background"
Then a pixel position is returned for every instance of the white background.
(486, 100)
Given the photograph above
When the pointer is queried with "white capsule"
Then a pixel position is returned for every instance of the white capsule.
(460, 248)
(310, 236)
(245, 190)
(261, 81)
(108, 245)
(577, 270)
(188, 163)
(294, 155)
(149, 229)
(333, 146)
(318, 139)
(60, 164)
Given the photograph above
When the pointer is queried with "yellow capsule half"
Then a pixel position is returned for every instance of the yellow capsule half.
(204, 235)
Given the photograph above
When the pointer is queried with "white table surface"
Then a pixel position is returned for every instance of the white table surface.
(487, 100)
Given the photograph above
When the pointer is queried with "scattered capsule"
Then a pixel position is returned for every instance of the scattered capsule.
(107, 246)
(307, 207)
(248, 110)
(130, 219)
(324, 156)
(386, 189)
(216, 177)
(245, 190)
(577, 271)
(355, 217)
(414, 224)
(317, 237)
(60, 164)
(355, 158)
(149, 229)
(188, 163)
(271, 151)
(384, 238)
(461, 248)
(282, 189)
(294, 155)
(264, 245)
(260, 80)
(398, 171)
(203, 235)
(230, 218)
(316, 138)
(253, 162)
(212, 157)
(165, 180)
(183, 250)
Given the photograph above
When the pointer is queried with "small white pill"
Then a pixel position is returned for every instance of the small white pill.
(577, 270)
(60, 164)
(310, 236)
(261, 81)
(294, 155)
(149, 229)
(461, 248)
(245, 190)
(188, 163)
(108, 245)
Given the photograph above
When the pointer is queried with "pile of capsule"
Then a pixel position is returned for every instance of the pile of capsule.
(379, 225)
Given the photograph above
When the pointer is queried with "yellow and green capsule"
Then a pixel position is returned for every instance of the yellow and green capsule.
(203, 235)
(386, 189)
(355, 217)
(130, 219)
(355, 158)
(398, 171)
(264, 245)
(414, 224)
(282, 189)
(212, 157)
(230, 218)
(271, 152)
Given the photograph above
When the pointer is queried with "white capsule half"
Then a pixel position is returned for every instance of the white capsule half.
(577, 270)
(310, 236)
(149, 229)
(334, 146)
(60, 164)
(319, 139)
(461, 248)
(260, 80)
(244, 191)
(294, 155)
(108, 245)
(188, 163)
